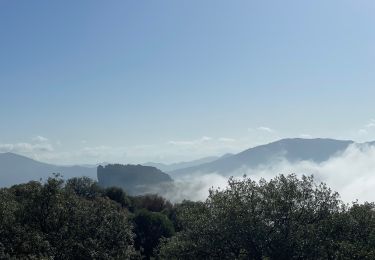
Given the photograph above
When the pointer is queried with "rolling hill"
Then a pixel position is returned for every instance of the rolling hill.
(297, 149)
(180, 165)
(15, 169)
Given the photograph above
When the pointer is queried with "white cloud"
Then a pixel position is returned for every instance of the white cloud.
(37, 148)
(307, 136)
(371, 124)
(194, 188)
(96, 150)
(350, 173)
(40, 139)
(266, 129)
(362, 132)
(181, 142)
(225, 139)
(26, 148)
(367, 128)
(191, 142)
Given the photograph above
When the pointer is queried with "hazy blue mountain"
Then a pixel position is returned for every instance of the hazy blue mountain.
(180, 165)
(297, 149)
(134, 179)
(15, 169)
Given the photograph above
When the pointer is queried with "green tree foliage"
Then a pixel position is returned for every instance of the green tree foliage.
(84, 187)
(152, 202)
(49, 221)
(284, 218)
(118, 195)
(356, 228)
(149, 227)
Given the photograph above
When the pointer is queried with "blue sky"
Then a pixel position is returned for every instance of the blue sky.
(134, 81)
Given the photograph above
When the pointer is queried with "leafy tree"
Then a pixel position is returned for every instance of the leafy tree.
(284, 218)
(84, 187)
(358, 232)
(118, 195)
(149, 228)
(49, 221)
(152, 202)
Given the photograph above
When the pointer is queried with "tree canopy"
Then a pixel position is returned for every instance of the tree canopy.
(45, 221)
(283, 218)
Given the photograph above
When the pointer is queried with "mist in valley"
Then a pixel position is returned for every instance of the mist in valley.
(351, 173)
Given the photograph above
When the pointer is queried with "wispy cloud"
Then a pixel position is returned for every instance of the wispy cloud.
(227, 140)
(266, 129)
(369, 126)
(191, 142)
(362, 132)
(40, 139)
(350, 173)
(37, 144)
(26, 147)
(35, 148)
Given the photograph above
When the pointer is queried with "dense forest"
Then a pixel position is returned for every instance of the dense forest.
(284, 218)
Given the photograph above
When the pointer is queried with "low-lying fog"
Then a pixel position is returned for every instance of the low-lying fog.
(351, 173)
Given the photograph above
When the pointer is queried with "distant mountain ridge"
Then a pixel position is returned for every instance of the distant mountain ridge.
(316, 150)
(180, 165)
(15, 169)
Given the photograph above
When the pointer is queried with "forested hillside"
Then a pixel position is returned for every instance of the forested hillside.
(135, 179)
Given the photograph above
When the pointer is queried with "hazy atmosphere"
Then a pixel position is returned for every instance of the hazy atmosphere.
(131, 82)
(152, 130)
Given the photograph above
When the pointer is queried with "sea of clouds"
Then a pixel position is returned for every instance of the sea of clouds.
(351, 173)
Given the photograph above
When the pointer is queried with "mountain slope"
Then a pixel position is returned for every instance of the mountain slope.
(134, 179)
(180, 165)
(15, 169)
(316, 150)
